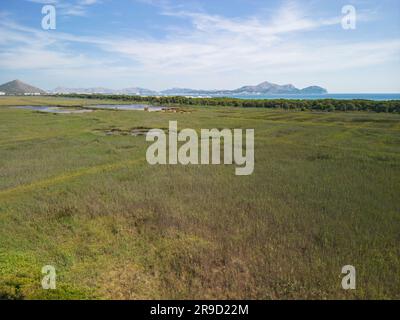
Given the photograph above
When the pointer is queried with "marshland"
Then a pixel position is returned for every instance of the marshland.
(324, 194)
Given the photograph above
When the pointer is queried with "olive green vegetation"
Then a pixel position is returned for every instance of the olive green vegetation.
(324, 194)
(329, 105)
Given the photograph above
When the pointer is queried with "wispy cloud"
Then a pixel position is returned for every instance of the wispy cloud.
(87, 2)
(213, 48)
(44, 1)
(69, 8)
(218, 44)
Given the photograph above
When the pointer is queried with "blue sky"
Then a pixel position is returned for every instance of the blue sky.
(224, 44)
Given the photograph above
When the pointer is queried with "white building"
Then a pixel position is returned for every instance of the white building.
(32, 94)
(2, 93)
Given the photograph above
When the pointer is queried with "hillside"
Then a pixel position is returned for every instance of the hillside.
(19, 87)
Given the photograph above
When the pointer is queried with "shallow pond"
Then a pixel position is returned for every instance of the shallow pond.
(122, 107)
(50, 109)
(127, 107)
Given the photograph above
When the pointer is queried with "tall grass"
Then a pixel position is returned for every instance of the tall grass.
(324, 194)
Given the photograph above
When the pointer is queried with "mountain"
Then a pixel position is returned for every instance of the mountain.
(264, 88)
(101, 90)
(268, 88)
(81, 90)
(18, 87)
(313, 90)
(187, 91)
(138, 91)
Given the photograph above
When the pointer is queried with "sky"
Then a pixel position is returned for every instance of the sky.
(208, 44)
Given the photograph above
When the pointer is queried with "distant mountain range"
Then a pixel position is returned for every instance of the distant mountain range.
(272, 88)
(264, 88)
(101, 90)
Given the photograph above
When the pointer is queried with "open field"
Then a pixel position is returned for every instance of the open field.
(324, 194)
(54, 101)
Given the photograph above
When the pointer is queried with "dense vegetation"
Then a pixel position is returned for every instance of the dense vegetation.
(319, 105)
(324, 194)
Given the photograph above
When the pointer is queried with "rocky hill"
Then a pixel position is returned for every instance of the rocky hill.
(17, 87)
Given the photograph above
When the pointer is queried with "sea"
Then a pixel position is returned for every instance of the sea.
(340, 96)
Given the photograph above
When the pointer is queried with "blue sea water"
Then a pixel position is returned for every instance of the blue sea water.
(340, 96)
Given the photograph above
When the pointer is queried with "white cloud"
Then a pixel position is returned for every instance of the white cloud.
(44, 1)
(218, 44)
(69, 8)
(214, 50)
(87, 2)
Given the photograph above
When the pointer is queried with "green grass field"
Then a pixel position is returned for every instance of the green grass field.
(324, 194)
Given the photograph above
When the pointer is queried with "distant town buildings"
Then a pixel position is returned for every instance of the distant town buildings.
(32, 94)
(2, 93)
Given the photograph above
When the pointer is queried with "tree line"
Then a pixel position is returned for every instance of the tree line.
(390, 106)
